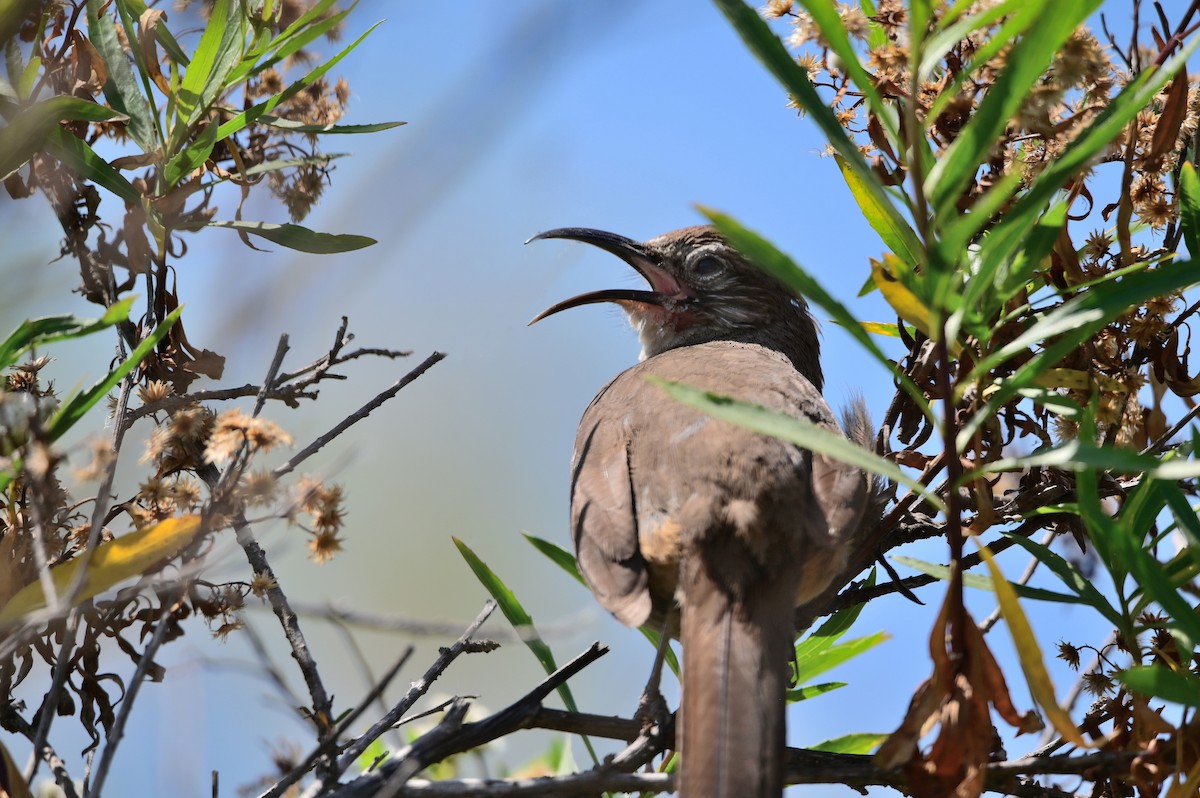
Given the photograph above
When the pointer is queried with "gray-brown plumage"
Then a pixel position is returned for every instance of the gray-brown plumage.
(707, 528)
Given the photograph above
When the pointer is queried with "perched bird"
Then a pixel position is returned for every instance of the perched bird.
(702, 528)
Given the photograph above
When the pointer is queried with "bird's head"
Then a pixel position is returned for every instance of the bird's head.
(700, 289)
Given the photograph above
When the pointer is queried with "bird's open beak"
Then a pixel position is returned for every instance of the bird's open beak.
(664, 287)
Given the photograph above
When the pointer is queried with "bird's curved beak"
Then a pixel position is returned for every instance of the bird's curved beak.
(664, 287)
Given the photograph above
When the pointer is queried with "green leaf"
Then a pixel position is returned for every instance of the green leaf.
(161, 34)
(764, 255)
(121, 90)
(1186, 520)
(1107, 125)
(217, 53)
(996, 279)
(48, 329)
(763, 42)
(300, 127)
(26, 133)
(981, 582)
(71, 410)
(557, 555)
(299, 34)
(1017, 15)
(507, 601)
(1178, 687)
(1189, 208)
(191, 157)
(837, 654)
(832, 630)
(825, 16)
(254, 113)
(860, 743)
(1070, 576)
(293, 236)
(1067, 326)
(76, 155)
(1076, 454)
(566, 561)
(1029, 58)
(812, 691)
(802, 433)
(896, 234)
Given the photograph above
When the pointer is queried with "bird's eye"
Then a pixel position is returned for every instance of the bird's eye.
(708, 266)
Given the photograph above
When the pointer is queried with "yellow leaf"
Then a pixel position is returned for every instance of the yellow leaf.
(881, 328)
(1078, 380)
(1030, 655)
(12, 784)
(887, 276)
(111, 563)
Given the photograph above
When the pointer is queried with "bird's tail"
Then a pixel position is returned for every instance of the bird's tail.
(735, 669)
(858, 427)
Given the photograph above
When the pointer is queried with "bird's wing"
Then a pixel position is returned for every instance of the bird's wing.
(603, 519)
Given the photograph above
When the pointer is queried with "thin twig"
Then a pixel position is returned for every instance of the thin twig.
(355, 749)
(452, 736)
(357, 416)
(329, 744)
(117, 732)
(392, 622)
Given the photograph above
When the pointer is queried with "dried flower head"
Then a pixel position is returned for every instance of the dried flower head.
(322, 546)
(234, 429)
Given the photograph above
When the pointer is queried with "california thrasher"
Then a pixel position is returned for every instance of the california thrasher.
(699, 526)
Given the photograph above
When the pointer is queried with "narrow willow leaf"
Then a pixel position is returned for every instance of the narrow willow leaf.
(1063, 329)
(1030, 57)
(812, 691)
(565, 560)
(802, 433)
(77, 156)
(1189, 208)
(71, 410)
(217, 53)
(191, 157)
(824, 14)
(557, 555)
(766, 256)
(298, 35)
(49, 329)
(1029, 653)
(121, 90)
(1186, 519)
(26, 133)
(521, 621)
(832, 630)
(1078, 455)
(1158, 681)
(882, 328)
(895, 233)
(766, 46)
(837, 654)
(300, 127)
(1070, 576)
(293, 236)
(110, 564)
(253, 113)
(981, 582)
(859, 743)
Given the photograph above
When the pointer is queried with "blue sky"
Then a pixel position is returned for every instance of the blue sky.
(616, 115)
